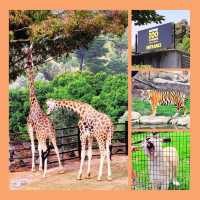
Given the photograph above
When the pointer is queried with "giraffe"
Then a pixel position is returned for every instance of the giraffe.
(92, 124)
(38, 121)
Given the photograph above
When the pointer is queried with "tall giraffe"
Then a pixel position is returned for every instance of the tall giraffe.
(91, 124)
(37, 121)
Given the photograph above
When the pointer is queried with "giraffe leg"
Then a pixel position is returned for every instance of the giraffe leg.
(44, 148)
(40, 156)
(154, 108)
(31, 135)
(102, 157)
(89, 154)
(58, 155)
(83, 143)
(108, 160)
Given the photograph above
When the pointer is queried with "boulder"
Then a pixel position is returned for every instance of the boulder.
(161, 80)
(123, 118)
(154, 120)
(135, 117)
(160, 120)
(181, 121)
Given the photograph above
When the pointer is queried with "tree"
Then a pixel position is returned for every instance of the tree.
(142, 17)
(54, 33)
(106, 53)
(183, 35)
(185, 44)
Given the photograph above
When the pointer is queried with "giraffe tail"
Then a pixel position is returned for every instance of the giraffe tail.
(110, 149)
(45, 155)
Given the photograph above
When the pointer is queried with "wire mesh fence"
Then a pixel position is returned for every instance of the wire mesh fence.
(161, 160)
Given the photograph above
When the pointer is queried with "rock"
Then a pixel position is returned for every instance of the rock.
(161, 80)
(181, 121)
(135, 117)
(18, 183)
(153, 120)
(160, 120)
(123, 118)
(176, 76)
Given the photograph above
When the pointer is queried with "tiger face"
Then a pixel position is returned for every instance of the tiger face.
(145, 95)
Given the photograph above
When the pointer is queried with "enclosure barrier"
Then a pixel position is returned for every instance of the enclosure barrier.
(141, 161)
(69, 144)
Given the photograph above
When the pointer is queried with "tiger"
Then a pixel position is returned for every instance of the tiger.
(165, 97)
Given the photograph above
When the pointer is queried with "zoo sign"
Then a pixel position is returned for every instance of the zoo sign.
(156, 38)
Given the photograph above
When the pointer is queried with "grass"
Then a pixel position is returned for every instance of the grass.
(144, 108)
(181, 141)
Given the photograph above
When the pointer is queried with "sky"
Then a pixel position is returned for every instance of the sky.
(170, 16)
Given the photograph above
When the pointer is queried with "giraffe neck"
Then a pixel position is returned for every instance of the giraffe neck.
(30, 76)
(77, 107)
(31, 86)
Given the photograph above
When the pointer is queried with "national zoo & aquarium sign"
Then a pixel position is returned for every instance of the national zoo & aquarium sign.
(156, 38)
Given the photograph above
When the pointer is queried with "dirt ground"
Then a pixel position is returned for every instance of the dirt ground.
(67, 180)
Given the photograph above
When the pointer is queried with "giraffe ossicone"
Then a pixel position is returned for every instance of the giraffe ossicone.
(92, 124)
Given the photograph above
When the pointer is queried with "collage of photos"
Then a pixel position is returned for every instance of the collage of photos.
(69, 97)
(68, 100)
(160, 91)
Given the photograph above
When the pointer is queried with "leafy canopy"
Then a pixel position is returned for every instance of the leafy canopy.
(143, 17)
(55, 33)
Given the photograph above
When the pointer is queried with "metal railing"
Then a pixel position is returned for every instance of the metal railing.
(69, 144)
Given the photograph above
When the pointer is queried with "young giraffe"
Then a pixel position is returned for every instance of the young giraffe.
(91, 124)
(37, 121)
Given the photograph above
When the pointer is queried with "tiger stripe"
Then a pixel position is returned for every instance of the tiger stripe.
(167, 97)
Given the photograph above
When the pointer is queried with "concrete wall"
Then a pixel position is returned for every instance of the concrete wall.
(162, 59)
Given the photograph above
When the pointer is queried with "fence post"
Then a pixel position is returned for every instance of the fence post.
(79, 144)
(62, 142)
(126, 137)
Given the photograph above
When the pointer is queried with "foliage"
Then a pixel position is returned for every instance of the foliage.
(106, 93)
(56, 33)
(106, 53)
(185, 44)
(113, 98)
(182, 35)
(142, 17)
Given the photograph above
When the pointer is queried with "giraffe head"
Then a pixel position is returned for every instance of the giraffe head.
(51, 106)
(145, 95)
(28, 52)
